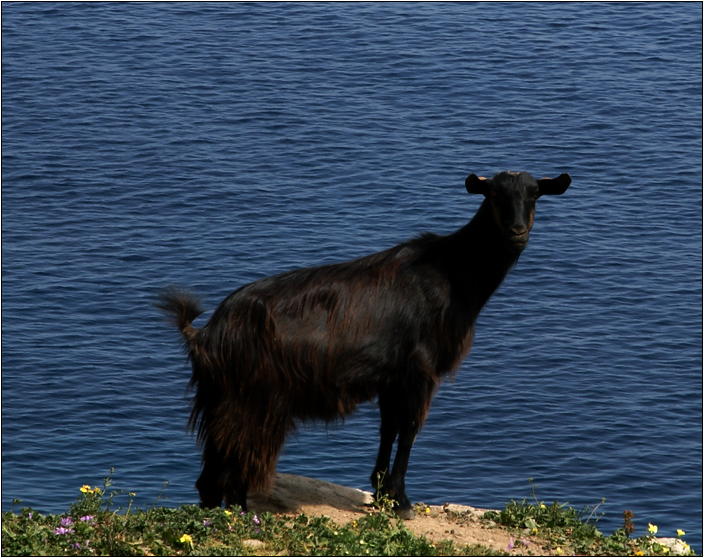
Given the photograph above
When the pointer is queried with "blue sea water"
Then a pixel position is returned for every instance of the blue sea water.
(209, 145)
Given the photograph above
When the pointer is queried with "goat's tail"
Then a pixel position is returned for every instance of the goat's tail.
(183, 308)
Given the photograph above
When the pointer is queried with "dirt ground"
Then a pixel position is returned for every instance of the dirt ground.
(293, 494)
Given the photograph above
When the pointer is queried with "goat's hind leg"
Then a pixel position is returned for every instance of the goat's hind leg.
(237, 496)
(221, 479)
(210, 482)
(235, 486)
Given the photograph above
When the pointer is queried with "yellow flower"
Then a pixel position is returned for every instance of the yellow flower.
(228, 512)
(186, 539)
(639, 553)
(427, 510)
(680, 532)
(354, 523)
(534, 530)
(542, 506)
(86, 488)
(559, 551)
(97, 490)
(361, 541)
(652, 528)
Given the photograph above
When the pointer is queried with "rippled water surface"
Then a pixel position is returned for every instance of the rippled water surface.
(211, 145)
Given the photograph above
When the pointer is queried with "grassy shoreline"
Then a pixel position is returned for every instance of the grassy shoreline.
(90, 527)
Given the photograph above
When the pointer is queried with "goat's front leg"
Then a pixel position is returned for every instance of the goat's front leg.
(389, 411)
(396, 486)
(413, 405)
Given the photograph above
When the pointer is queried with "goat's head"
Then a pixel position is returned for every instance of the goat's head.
(511, 197)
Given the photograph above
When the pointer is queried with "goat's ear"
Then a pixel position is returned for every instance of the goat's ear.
(554, 186)
(477, 184)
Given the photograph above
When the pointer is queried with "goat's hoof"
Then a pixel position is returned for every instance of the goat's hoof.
(405, 513)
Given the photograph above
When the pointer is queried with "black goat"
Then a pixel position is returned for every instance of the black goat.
(313, 343)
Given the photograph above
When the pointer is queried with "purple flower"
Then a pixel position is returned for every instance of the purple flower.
(510, 544)
(30, 515)
(206, 523)
(88, 518)
(62, 531)
(256, 520)
(66, 522)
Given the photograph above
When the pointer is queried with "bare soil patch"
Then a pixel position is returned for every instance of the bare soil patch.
(292, 494)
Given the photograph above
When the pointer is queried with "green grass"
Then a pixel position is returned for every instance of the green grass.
(568, 531)
(188, 530)
(91, 527)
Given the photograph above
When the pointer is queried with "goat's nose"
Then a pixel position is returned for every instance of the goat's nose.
(518, 236)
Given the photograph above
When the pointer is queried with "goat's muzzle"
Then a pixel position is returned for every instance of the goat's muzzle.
(518, 238)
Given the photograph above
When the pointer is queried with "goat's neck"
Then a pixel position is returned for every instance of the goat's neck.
(481, 258)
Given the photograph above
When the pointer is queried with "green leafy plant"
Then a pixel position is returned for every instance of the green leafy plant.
(91, 527)
(567, 530)
(382, 501)
(94, 526)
